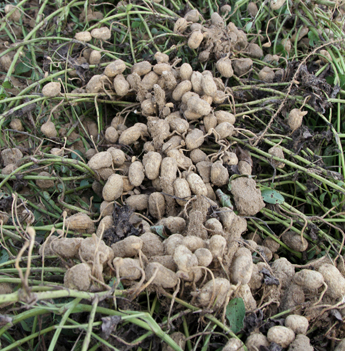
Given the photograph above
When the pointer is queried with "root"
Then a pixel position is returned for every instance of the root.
(25, 278)
(173, 299)
(321, 295)
(143, 287)
(136, 291)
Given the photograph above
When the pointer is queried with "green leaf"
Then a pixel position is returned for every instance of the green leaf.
(322, 197)
(37, 216)
(75, 157)
(329, 155)
(342, 80)
(46, 195)
(64, 169)
(311, 254)
(113, 281)
(313, 39)
(7, 85)
(136, 24)
(248, 26)
(27, 324)
(84, 182)
(330, 80)
(224, 199)
(3, 256)
(335, 200)
(235, 312)
(97, 198)
(280, 49)
(160, 230)
(22, 68)
(287, 11)
(272, 196)
(157, 307)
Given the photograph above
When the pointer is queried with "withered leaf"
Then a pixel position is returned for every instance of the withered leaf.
(337, 315)
(122, 226)
(252, 321)
(274, 347)
(108, 325)
(271, 323)
(244, 155)
(268, 278)
(5, 320)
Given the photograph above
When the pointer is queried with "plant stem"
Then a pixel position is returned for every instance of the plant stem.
(58, 331)
(87, 338)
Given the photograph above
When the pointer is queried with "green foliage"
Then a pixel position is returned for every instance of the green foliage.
(159, 230)
(235, 312)
(7, 85)
(3, 256)
(272, 196)
(25, 65)
(314, 40)
(224, 199)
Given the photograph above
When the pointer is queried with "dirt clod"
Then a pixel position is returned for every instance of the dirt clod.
(248, 199)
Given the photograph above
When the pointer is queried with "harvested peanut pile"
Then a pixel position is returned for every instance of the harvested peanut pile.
(172, 176)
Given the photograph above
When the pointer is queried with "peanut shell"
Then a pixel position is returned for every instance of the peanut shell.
(102, 33)
(113, 188)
